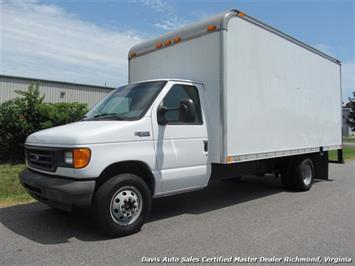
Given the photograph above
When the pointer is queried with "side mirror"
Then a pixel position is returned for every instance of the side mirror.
(187, 111)
(162, 110)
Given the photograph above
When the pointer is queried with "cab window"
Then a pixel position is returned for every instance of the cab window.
(172, 100)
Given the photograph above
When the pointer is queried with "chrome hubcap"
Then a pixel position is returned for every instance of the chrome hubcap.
(126, 205)
(307, 174)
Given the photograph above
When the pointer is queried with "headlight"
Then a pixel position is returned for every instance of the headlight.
(77, 158)
(81, 157)
(68, 157)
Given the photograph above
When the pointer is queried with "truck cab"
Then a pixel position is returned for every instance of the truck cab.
(154, 131)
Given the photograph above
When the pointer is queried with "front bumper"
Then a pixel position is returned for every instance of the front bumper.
(61, 193)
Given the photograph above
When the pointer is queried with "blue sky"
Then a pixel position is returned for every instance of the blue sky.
(87, 41)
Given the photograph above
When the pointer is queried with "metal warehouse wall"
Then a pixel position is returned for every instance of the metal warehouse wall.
(54, 91)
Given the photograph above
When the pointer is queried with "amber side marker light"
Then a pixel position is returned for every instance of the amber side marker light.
(229, 159)
(81, 157)
(211, 27)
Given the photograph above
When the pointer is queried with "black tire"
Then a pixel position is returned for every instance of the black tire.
(104, 197)
(303, 175)
(293, 176)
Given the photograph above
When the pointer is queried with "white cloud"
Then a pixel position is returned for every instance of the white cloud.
(168, 19)
(44, 41)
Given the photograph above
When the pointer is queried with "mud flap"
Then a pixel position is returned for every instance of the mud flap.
(321, 165)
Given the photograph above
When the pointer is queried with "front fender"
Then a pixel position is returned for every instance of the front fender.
(106, 154)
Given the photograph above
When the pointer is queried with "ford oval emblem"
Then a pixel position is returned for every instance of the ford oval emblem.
(34, 157)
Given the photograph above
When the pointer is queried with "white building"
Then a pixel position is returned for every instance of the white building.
(54, 91)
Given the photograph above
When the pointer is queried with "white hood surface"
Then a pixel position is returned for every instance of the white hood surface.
(91, 132)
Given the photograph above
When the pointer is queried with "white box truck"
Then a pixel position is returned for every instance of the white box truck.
(223, 98)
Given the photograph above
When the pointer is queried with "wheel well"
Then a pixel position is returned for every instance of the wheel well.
(319, 160)
(138, 168)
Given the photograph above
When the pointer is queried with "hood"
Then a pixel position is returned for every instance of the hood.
(92, 132)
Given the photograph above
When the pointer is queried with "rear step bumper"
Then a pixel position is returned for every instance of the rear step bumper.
(58, 192)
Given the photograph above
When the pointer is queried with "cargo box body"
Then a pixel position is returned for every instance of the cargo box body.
(268, 95)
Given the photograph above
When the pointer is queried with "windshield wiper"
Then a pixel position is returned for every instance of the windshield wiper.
(109, 115)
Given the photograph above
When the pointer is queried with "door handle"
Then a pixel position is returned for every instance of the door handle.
(205, 146)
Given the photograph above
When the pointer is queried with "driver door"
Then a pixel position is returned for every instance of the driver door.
(181, 147)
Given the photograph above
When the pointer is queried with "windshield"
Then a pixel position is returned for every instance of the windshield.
(129, 102)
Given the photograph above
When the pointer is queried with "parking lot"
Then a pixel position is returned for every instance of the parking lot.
(254, 217)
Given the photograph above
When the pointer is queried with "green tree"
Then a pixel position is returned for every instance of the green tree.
(32, 98)
(29, 113)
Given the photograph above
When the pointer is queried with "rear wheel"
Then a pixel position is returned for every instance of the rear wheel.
(122, 204)
(298, 175)
(303, 175)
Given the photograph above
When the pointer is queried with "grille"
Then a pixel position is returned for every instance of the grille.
(41, 158)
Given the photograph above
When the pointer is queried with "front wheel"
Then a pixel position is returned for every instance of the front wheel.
(122, 204)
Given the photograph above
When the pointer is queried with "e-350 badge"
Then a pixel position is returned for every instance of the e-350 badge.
(142, 134)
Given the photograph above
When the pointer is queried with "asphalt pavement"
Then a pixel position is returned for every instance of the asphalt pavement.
(255, 217)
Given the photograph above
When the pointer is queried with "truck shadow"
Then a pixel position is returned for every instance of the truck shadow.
(44, 225)
(218, 195)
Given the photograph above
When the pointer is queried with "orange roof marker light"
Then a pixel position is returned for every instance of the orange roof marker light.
(211, 27)
(167, 42)
(177, 39)
(241, 14)
(159, 45)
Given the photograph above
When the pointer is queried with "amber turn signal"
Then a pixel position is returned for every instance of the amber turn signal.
(81, 157)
